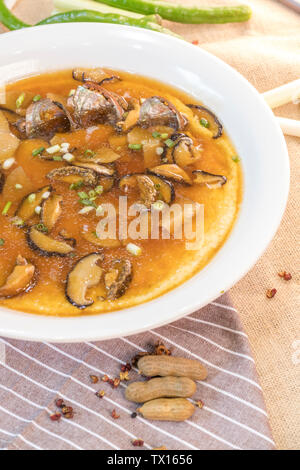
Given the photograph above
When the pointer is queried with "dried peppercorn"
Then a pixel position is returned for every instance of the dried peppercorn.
(100, 394)
(271, 293)
(105, 378)
(124, 375)
(114, 414)
(116, 383)
(133, 415)
(286, 276)
(55, 417)
(66, 410)
(59, 403)
(138, 443)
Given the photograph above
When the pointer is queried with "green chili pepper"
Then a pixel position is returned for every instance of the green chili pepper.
(85, 16)
(184, 14)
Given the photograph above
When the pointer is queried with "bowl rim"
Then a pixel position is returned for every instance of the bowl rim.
(26, 326)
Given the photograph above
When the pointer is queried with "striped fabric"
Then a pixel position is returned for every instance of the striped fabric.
(33, 375)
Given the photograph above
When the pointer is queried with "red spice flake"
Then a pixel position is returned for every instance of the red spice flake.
(100, 394)
(126, 367)
(59, 403)
(286, 276)
(114, 414)
(116, 382)
(105, 378)
(199, 403)
(138, 443)
(195, 42)
(271, 293)
(55, 417)
(94, 379)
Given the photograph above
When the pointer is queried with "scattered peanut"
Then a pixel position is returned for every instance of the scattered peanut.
(167, 409)
(152, 366)
(140, 392)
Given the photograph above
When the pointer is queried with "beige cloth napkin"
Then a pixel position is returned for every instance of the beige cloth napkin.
(266, 51)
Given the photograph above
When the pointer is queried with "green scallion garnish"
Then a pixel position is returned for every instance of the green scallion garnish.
(57, 158)
(235, 158)
(2, 242)
(169, 143)
(41, 228)
(82, 195)
(204, 123)
(76, 185)
(20, 100)
(89, 153)
(164, 136)
(38, 151)
(99, 190)
(36, 98)
(156, 135)
(135, 146)
(6, 208)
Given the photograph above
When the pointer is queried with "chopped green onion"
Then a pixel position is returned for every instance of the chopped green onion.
(36, 98)
(156, 135)
(57, 158)
(53, 149)
(89, 153)
(72, 92)
(159, 151)
(235, 158)
(37, 152)
(20, 100)
(31, 198)
(169, 143)
(135, 250)
(41, 228)
(2, 242)
(87, 202)
(92, 194)
(76, 185)
(38, 210)
(204, 123)
(7, 164)
(18, 186)
(6, 208)
(68, 157)
(86, 210)
(135, 146)
(83, 195)
(164, 136)
(99, 190)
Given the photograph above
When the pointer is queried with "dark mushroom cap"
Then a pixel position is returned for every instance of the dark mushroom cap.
(45, 118)
(157, 111)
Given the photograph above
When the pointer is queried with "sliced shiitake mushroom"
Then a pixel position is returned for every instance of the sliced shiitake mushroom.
(184, 152)
(20, 280)
(86, 273)
(45, 118)
(92, 237)
(100, 170)
(148, 191)
(93, 75)
(93, 104)
(29, 203)
(157, 111)
(208, 179)
(210, 118)
(74, 174)
(45, 245)
(101, 156)
(51, 211)
(172, 172)
(118, 278)
(165, 188)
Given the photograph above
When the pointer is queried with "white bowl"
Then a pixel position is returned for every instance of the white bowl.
(248, 121)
